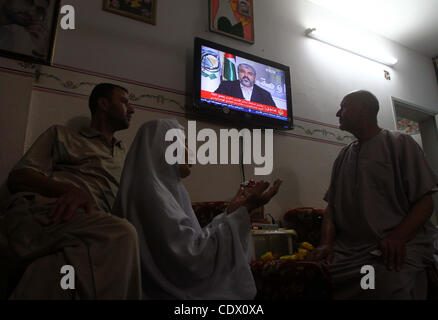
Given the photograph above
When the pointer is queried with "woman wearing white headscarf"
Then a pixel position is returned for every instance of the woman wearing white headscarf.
(179, 259)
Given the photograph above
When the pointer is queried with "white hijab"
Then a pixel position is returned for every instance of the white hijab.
(179, 259)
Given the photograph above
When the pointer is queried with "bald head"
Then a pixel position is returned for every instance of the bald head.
(358, 113)
(367, 101)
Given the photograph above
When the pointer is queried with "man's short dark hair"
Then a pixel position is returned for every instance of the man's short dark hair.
(102, 90)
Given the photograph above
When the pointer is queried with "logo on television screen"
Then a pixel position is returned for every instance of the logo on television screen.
(210, 64)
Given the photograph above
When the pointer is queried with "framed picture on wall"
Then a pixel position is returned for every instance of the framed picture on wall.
(233, 18)
(143, 10)
(435, 63)
(28, 29)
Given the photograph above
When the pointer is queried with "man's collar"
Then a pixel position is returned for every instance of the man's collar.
(90, 133)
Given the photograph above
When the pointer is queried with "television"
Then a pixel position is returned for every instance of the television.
(240, 88)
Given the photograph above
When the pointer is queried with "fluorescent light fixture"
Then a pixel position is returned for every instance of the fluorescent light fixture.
(351, 44)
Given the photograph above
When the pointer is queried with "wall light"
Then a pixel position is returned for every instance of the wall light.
(351, 44)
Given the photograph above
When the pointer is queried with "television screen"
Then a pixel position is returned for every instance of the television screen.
(240, 86)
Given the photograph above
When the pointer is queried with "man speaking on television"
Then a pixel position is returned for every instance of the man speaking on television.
(245, 87)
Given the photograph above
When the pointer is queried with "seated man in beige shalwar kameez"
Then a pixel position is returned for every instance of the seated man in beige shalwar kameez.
(379, 205)
(62, 192)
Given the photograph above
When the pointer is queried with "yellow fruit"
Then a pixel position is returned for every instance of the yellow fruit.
(300, 256)
(307, 246)
(303, 252)
(287, 257)
(267, 256)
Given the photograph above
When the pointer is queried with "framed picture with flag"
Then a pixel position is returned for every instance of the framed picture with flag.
(233, 18)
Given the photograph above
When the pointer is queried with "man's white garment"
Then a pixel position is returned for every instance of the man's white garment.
(247, 92)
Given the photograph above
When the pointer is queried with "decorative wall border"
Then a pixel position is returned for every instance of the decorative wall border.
(144, 96)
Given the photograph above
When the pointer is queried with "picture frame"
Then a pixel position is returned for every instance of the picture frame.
(233, 18)
(143, 10)
(30, 33)
(435, 64)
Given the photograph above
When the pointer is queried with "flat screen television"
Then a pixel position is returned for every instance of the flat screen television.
(241, 88)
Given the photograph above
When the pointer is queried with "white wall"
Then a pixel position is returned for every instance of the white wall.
(161, 55)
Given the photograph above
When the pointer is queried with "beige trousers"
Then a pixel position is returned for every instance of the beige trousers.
(101, 248)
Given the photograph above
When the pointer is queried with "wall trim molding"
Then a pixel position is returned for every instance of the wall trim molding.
(78, 83)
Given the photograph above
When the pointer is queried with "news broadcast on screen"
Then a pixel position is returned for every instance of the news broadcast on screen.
(218, 67)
